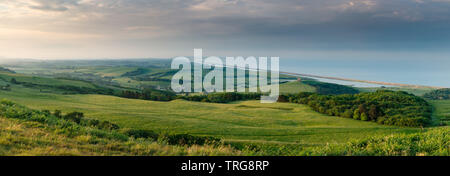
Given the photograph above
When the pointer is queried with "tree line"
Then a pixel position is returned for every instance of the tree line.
(162, 95)
(222, 97)
(384, 107)
(330, 88)
(149, 94)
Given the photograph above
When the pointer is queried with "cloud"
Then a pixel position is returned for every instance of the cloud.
(49, 8)
(53, 5)
(258, 24)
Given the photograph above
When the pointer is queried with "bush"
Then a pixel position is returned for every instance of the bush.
(70, 124)
(57, 113)
(107, 125)
(186, 139)
(364, 117)
(136, 133)
(74, 116)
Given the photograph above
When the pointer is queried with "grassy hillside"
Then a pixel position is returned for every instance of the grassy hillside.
(248, 121)
(441, 111)
(33, 132)
(246, 127)
(295, 87)
(434, 142)
(25, 131)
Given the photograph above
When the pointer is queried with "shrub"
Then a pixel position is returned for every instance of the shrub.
(186, 139)
(107, 125)
(74, 116)
(137, 133)
(57, 113)
(364, 117)
(356, 115)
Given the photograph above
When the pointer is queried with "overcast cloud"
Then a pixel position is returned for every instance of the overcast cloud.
(167, 28)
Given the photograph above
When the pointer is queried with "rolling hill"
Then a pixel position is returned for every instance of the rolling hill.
(245, 127)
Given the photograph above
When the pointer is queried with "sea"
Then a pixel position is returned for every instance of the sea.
(404, 71)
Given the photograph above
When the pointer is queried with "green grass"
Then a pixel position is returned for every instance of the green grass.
(442, 111)
(249, 121)
(29, 132)
(295, 87)
(28, 138)
(432, 142)
(276, 129)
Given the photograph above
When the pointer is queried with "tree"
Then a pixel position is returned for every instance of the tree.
(383, 106)
(364, 117)
(362, 108)
(57, 113)
(348, 113)
(356, 115)
(14, 81)
(373, 112)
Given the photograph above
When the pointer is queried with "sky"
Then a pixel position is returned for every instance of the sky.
(338, 29)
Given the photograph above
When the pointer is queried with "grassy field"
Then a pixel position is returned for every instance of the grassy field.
(442, 110)
(247, 121)
(24, 132)
(279, 128)
(26, 138)
(296, 87)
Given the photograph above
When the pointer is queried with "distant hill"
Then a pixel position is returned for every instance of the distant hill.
(2, 69)
(440, 94)
(54, 85)
(330, 88)
(295, 87)
(316, 86)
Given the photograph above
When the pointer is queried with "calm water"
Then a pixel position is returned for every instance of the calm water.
(426, 72)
